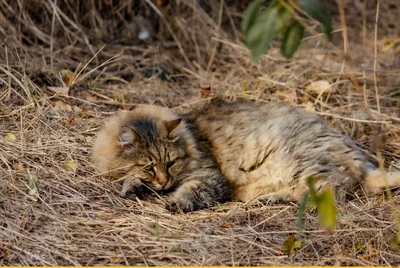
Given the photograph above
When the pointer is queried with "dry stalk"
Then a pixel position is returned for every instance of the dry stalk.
(76, 217)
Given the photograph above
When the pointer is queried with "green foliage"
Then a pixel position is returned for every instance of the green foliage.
(284, 17)
(250, 16)
(260, 36)
(260, 25)
(317, 10)
(325, 203)
(301, 211)
(292, 39)
(327, 210)
(291, 244)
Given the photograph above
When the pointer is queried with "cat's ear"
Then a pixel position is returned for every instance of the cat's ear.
(171, 126)
(126, 136)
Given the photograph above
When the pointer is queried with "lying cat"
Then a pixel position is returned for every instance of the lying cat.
(230, 151)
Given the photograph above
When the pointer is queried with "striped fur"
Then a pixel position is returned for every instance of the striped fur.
(223, 151)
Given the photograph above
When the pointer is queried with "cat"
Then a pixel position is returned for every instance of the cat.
(225, 151)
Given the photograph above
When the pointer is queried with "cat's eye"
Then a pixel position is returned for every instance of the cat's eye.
(170, 164)
(147, 168)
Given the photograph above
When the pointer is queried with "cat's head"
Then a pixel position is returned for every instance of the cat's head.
(150, 143)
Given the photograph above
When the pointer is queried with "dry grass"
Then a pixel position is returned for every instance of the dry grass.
(75, 217)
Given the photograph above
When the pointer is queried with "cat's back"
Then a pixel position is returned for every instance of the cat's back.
(272, 147)
(242, 122)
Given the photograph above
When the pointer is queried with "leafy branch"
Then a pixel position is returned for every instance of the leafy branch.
(260, 25)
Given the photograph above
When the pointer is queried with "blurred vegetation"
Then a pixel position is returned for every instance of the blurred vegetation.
(260, 25)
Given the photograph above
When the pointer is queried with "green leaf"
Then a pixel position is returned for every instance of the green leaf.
(317, 10)
(325, 202)
(262, 32)
(327, 210)
(291, 244)
(250, 16)
(301, 211)
(292, 39)
(284, 16)
(311, 185)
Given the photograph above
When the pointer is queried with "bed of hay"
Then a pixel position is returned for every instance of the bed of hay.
(58, 82)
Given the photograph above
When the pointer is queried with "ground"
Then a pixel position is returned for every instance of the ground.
(58, 82)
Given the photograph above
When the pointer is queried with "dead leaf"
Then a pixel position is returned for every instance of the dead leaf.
(11, 137)
(61, 106)
(20, 167)
(371, 255)
(227, 225)
(67, 76)
(310, 107)
(205, 91)
(84, 112)
(286, 95)
(63, 91)
(117, 260)
(69, 121)
(261, 218)
(80, 111)
(77, 109)
(303, 98)
(162, 3)
(320, 86)
(67, 79)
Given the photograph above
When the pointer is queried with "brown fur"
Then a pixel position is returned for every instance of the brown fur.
(226, 151)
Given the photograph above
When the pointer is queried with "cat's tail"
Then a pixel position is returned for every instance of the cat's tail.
(376, 180)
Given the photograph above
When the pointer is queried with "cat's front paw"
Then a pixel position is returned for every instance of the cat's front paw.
(185, 205)
(131, 188)
(186, 198)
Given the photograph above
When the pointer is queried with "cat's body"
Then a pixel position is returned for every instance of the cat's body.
(226, 151)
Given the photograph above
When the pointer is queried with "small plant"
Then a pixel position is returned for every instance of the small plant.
(325, 203)
(260, 25)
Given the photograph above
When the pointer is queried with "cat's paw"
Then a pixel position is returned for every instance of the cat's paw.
(185, 205)
(132, 188)
(186, 198)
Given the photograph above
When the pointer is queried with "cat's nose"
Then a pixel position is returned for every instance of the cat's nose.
(162, 183)
(161, 177)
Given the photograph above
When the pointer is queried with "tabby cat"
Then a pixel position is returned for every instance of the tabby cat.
(229, 151)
